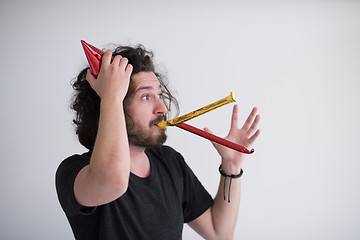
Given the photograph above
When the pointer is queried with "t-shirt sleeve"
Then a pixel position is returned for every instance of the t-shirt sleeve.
(64, 181)
(196, 198)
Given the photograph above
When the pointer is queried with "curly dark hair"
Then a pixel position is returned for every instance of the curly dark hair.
(86, 102)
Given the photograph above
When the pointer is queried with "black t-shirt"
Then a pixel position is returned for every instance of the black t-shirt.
(154, 207)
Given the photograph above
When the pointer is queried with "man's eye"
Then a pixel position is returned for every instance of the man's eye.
(145, 97)
(160, 96)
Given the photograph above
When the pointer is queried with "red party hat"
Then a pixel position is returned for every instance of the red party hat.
(93, 56)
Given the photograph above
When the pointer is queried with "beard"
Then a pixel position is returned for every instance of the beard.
(145, 137)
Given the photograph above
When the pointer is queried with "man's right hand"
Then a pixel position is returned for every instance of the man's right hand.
(114, 77)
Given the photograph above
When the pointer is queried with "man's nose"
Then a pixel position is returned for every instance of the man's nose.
(160, 108)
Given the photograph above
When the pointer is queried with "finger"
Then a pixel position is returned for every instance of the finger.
(129, 69)
(106, 58)
(234, 117)
(254, 125)
(254, 137)
(250, 119)
(116, 60)
(123, 63)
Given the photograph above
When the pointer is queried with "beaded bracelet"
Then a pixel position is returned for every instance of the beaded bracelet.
(231, 177)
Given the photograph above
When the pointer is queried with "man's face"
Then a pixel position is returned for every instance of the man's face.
(145, 108)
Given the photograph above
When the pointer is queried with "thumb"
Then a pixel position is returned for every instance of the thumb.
(216, 145)
(207, 130)
(90, 78)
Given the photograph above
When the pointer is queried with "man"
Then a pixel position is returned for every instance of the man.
(130, 186)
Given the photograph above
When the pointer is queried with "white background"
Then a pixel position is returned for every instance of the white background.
(297, 61)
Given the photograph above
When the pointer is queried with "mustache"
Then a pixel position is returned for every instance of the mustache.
(158, 119)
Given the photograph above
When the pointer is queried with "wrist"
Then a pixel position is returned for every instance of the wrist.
(224, 174)
(231, 177)
(231, 169)
(113, 101)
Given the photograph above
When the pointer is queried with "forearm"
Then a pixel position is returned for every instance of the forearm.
(226, 204)
(111, 150)
(106, 177)
(220, 220)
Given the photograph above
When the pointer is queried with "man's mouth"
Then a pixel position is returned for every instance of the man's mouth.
(157, 120)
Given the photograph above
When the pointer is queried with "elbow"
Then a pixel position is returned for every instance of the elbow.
(93, 187)
(225, 237)
(229, 237)
(110, 184)
(116, 184)
(120, 184)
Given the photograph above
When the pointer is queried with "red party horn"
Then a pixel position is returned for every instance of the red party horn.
(214, 138)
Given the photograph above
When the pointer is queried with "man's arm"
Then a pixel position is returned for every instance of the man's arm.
(106, 177)
(219, 221)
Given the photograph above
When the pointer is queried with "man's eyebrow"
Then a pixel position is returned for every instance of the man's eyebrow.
(145, 88)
